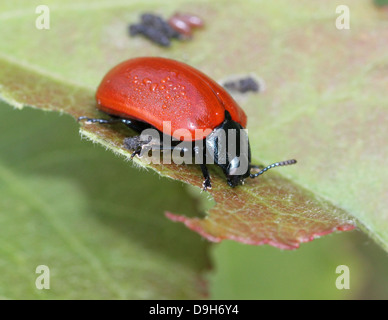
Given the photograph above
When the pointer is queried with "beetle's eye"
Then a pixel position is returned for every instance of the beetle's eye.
(234, 164)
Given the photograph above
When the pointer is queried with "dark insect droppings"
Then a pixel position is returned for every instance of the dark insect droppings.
(184, 23)
(154, 28)
(242, 85)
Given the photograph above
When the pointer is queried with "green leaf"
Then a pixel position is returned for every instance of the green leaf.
(325, 90)
(274, 212)
(381, 3)
(94, 221)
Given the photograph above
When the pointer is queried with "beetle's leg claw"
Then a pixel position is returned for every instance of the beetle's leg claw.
(136, 153)
(133, 143)
(206, 185)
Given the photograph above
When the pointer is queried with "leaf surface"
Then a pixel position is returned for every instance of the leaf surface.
(87, 216)
(324, 103)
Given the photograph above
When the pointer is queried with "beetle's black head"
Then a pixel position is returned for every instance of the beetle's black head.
(235, 173)
(229, 146)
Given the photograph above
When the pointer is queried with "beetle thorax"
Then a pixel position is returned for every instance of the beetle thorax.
(228, 147)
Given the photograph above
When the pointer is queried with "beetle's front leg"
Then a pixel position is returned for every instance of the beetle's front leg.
(206, 183)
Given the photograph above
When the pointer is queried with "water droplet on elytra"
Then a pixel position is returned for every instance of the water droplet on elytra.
(146, 81)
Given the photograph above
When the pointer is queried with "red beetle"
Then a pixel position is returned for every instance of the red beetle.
(149, 92)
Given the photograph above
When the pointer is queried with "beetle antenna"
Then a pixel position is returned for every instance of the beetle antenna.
(276, 164)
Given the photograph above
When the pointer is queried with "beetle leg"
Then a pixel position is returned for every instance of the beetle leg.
(104, 121)
(136, 152)
(136, 144)
(206, 183)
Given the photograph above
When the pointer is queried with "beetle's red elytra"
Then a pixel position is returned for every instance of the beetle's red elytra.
(147, 92)
(154, 90)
